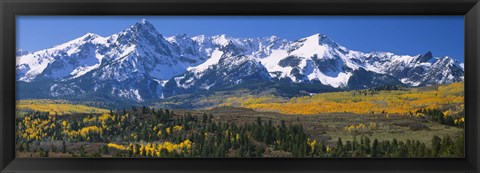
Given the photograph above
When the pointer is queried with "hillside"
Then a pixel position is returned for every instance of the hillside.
(232, 132)
(369, 101)
(59, 107)
(139, 65)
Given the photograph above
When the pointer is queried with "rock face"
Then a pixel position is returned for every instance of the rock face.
(141, 65)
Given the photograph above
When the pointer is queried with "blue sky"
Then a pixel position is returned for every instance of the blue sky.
(411, 35)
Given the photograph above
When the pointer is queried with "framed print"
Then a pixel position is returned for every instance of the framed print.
(154, 86)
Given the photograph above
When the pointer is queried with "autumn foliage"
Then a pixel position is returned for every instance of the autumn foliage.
(386, 101)
(59, 107)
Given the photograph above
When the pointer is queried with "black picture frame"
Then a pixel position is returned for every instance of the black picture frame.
(11, 8)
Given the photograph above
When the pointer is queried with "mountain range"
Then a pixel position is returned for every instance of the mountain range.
(140, 64)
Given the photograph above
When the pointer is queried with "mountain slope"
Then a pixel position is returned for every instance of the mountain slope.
(141, 65)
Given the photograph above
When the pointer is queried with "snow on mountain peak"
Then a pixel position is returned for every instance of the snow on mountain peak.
(142, 28)
(273, 37)
(134, 60)
(21, 52)
(199, 38)
(222, 39)
(78, 52)
(447, 60)
(143, 21)
(315, 37)
(310, 46)
(178, 38)
(89, 36)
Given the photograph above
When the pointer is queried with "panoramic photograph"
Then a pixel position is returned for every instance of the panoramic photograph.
(240, 87)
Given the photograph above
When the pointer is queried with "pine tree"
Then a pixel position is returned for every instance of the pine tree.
(64, 147)
(436, 146)
(447, 146)
(375, 149)
(82, 151)
(27, 146)
(394, 147)
(367, 147)
(21, 148)
(53, 148)
(137, 150)
(459, 145)
(105, 149)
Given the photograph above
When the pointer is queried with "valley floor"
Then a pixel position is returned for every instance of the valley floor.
(418, 122)
(104, 135)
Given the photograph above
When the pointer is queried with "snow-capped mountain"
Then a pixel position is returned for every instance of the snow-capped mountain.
(21, 52)
(140, 64)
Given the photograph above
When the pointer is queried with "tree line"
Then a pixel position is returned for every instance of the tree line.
(148, 132)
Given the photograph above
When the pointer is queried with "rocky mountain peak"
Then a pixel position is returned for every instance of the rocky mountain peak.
(139, 64)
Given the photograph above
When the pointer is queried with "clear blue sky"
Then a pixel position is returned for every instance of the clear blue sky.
(411, 35)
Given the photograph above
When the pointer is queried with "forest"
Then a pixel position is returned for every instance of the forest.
(431, 128)
(144, 132)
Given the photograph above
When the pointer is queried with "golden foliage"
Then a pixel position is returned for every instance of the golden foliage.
(459, 120)
(177, 128)
(116, 146)
(58, 107)
(395, 101)
(249, 100)
(311, 144)
(38, 128)
(361, 128)
(168, 130)
(154, 149)
(105, 117)
(83, 132)
(329, 149)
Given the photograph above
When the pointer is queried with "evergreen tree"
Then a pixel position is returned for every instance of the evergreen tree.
(436, 146)
(21, 148)
(64, 147)
(82, 151)
(375, 149)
